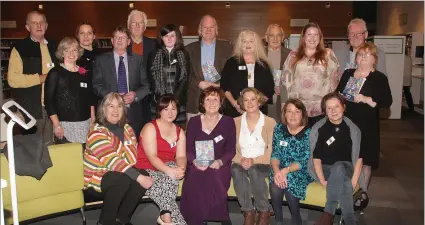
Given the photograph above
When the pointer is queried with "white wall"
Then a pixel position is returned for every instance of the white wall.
(388, 20)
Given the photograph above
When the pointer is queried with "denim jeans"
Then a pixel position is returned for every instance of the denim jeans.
(251, 182)
(276, 194)
(339, 189)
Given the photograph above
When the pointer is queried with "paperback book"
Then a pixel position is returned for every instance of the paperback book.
(353, 87)
(204, 152)
(210, 73)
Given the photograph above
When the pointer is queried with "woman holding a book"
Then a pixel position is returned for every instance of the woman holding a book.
(251, 164)
(311, 71)
(335, 159)
(162, 153)
(289, 175)
(210, 148)
(169, 65)
(366, 90)
(249, 67)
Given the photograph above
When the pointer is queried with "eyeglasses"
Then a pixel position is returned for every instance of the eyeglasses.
(363, 55)
(356, 34)
(275, 36)
(35, 23)
(121, 38)
(133, 24)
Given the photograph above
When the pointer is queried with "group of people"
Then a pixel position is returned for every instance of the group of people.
(265, 111)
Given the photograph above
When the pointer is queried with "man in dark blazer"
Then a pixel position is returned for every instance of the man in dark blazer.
(277, 55)
(143, 46)
(208, 49)
(123, 72)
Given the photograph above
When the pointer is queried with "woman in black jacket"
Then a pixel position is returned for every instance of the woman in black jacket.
(169, 65)
(248, 67)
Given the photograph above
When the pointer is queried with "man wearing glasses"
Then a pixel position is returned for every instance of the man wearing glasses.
(143, 46)
(357, 34)
(277, 55)
(122, 72)
(30, 61)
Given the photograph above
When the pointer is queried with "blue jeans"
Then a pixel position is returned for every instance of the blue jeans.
(276, 194)
(339, 189)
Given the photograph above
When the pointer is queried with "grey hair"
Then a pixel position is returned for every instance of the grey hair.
(66, 43)
(101, 110)
(356, 21)
(35, 13)
(200, 24)
(274, 25)
(135, 12)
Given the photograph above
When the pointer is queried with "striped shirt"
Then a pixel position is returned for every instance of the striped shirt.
(105, 152)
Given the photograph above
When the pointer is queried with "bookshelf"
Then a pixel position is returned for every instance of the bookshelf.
(6, 45)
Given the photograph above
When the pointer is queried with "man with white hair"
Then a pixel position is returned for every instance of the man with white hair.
(208, 51)
(357, 35)
(143, 46)
(30, 61)
(276, 54)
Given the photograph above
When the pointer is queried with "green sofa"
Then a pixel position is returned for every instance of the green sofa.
(59, 190)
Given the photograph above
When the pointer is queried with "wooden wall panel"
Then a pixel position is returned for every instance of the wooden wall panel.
(63, 17)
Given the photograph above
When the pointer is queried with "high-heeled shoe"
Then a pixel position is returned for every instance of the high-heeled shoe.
(160, 222)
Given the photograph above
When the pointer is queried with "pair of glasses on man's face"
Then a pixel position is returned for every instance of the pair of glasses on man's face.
(351, 35)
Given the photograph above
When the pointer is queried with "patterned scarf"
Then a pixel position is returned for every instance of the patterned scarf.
(157, 68)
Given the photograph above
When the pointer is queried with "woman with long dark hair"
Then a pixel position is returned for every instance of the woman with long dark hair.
(169, 65)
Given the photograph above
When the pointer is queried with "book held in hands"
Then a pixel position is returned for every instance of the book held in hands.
(210, 73)
(353, 87)
(204, 152)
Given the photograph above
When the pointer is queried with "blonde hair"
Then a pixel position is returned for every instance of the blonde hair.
(260, 97)
(259, 53)
(270, 27)
(101, 111)
(202, 20)
(356, 21)
(135, 12)
(68, 42)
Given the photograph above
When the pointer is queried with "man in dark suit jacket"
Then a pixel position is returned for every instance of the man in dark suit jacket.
(200, 52)
(277, 55)
(107, 72)
(143, 46)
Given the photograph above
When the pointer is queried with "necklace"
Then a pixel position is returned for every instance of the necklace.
(208, 128)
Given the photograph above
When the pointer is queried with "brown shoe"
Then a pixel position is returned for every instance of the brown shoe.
(264, 218)
(325, 219)
(249, 217)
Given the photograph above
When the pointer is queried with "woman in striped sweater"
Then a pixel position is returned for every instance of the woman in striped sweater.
(109, 157)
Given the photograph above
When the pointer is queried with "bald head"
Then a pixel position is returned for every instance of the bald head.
(208, 28)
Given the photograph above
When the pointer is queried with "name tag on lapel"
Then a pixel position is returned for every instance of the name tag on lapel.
(83, 85)
(218, 138)
(127, 142)
(173, 144)
(330, 140)
(283, 143)
(50, 65)
(242, 67)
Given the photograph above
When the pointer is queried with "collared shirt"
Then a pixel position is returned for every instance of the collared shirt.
(117, 63)
(207, 52)
(252, 144)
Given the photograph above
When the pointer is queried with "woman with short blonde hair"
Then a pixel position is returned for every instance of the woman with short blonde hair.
(68, 96)
(249, 67)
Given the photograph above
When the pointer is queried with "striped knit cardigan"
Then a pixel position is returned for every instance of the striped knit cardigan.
(105, 152)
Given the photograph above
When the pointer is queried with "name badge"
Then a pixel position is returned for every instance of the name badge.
(330, 140)
(218, 138)
(50, 65)
(88, 59)
(83, 85)
(127, 142)
(173, 144)
(242, 67)
(283, 143)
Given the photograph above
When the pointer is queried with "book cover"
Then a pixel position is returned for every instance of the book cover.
(277, 74)
(353, 87)
(210, 73)
(204, 152)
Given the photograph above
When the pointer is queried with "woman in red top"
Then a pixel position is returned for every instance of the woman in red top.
(162, 152)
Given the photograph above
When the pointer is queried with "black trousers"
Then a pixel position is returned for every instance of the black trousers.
(121, 196)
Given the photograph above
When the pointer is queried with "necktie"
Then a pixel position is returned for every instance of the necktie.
(122, 78)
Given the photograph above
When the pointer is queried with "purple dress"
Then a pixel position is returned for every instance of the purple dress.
(204, 193)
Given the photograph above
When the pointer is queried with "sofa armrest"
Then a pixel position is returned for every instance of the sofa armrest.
(66, 175)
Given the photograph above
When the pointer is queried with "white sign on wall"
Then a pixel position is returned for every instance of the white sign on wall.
(298, 22)
(390, 45)
(8, 24)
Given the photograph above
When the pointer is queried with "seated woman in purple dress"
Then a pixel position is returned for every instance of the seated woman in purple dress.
(204, 191)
